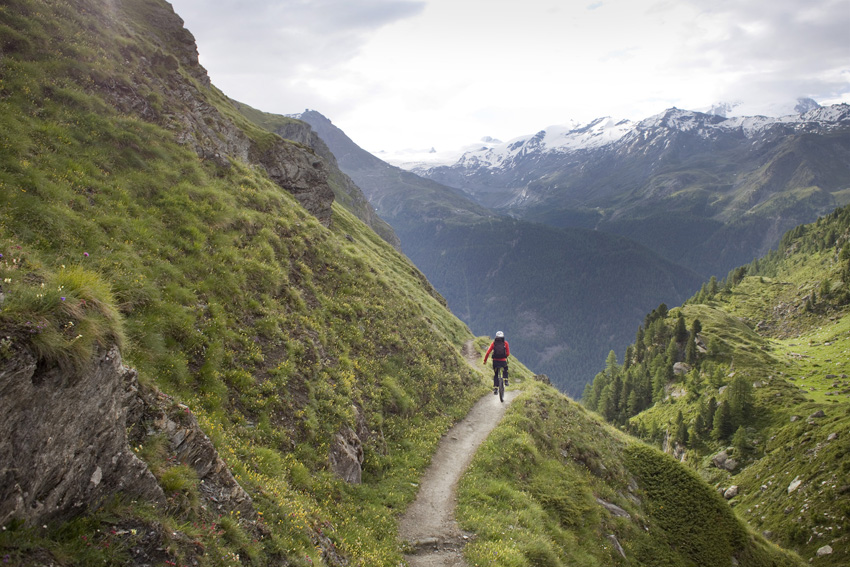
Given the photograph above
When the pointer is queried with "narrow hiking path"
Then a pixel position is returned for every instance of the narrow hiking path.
(429, 523)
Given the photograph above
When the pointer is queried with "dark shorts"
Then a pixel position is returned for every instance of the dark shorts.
(497, 364)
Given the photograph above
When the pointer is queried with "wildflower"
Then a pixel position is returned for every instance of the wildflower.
(62, 298)
(86, 254)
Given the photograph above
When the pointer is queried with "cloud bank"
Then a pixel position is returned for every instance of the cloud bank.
(396, 74)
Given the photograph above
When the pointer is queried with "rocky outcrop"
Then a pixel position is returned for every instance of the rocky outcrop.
(722, 461)
(346, 456)
(154, 413)
(64, 445)
(347, 192)
(167, 85)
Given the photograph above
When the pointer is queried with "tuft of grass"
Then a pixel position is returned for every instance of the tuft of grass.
(64, 316)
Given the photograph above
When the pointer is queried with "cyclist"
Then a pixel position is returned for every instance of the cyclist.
(501, 350)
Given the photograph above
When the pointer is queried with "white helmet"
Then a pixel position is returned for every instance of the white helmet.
(500, 335)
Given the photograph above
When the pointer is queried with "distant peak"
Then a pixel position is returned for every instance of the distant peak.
(804, 105)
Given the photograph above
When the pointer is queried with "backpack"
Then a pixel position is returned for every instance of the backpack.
(499, 350)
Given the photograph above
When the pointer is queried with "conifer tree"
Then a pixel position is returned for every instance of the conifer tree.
(691, 352)
(722, 422)
(659, 381)
(708, 416)
(587, 396)
(640, 347)
(698, 429)
(741, 441)
(681, 332)
(606, 405)
(741, 401)
(672, 352)
(681, 429)
(634, 403)
(712, 287)
(628, 358)
(611, 364)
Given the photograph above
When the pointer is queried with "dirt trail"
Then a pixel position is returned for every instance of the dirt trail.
(429, 524)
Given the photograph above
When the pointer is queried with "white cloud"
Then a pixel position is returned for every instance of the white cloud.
(396, 74)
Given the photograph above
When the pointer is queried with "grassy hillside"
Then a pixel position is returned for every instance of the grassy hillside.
(554, 486)
(274, 331)
(767, 384)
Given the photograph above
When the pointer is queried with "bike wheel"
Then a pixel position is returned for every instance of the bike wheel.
(502, 389)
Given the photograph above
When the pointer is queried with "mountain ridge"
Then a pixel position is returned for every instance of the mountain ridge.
(732, 177)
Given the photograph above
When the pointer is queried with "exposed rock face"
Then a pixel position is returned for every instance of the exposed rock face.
(613, 509)
(65, 447)
(64, 444)
(349, 194)
(300, 172)
(681, 368)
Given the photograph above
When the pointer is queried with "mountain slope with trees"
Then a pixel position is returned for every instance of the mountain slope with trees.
(748, 384)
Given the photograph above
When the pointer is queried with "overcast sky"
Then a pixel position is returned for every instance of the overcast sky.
(400, 74)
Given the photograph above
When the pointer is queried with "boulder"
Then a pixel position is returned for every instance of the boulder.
(346, 456)
(731, 492)
(722, 461)
(681, 368)
(818, 414)
(719, 460)
(825, 550)
(795, 484)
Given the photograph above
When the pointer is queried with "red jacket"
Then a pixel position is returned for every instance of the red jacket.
(489, 350)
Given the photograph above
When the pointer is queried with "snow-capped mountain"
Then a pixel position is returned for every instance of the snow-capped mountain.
(561, 141)
(694, 169)
(563, 138)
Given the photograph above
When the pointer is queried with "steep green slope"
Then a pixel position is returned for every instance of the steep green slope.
(766, 384)
(554, 486)
(274, 331)
(345, 191)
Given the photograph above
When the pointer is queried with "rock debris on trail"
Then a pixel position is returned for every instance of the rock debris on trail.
(429, 524)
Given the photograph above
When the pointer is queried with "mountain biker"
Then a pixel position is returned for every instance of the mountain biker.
(501, 351)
